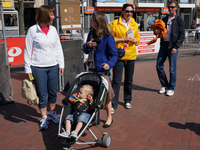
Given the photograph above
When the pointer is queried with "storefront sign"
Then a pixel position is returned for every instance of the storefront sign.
(184, 1)
(89, 10)
(119, 9)
(111, 9)
(143, 48)
(15, 50)
(108, 9)
(141, 9)
(164, 10)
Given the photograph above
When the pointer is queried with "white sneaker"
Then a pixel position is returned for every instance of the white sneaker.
(170, 93)
(128, 106)
(53, 116)
(74, 134)
(64, 134)
(162, 90)
(112, 111)
(44, 123)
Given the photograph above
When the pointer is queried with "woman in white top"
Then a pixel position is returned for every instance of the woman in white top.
(44, 60)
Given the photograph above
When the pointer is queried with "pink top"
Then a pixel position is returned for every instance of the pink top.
(45, 30)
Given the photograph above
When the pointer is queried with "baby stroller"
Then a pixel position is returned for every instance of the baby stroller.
(100, 87)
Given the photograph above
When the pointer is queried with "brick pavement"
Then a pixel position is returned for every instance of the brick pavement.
(155, 121)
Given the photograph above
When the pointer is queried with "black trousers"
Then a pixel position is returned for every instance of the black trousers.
(128, 67)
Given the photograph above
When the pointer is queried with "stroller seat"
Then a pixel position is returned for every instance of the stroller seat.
(100, 89)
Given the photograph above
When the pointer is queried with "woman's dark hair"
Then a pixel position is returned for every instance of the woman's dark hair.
(126, 5)
(43, 12)
(103, 27)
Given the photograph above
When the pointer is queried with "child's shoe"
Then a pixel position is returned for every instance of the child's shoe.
(74, 134)
(64, 134)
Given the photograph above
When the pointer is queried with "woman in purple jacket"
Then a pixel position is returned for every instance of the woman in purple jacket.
(100, 46)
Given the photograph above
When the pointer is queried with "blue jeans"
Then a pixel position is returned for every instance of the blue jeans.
(128, 80)
(46, 82)
(162, 56)
(84, 117)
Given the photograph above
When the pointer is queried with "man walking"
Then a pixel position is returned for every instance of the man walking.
(150, 21)
(169, 48)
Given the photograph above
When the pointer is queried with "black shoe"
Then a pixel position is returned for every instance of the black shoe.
(106, 125)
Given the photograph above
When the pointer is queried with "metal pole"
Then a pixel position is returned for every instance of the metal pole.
(3, 31)
(57, 17)
(83, 21)
(88, 15)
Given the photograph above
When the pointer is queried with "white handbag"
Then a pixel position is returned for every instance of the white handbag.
(29, 93)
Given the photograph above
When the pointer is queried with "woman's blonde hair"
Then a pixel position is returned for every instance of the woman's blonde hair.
(103, 27)
(43, 12)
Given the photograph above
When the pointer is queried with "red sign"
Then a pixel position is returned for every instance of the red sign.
(15, 50)
(146, 51)
(146, 38)
(146, 34)
(143, 48)
(108, 9)
(111, 9)
(143, 9)
(146, 46)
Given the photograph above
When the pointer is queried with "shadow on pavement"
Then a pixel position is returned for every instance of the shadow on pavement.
(18, 112)
(140, 88)
(137, 87)
(188, 125)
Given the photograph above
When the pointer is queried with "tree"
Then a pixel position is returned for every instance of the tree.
(21, 17)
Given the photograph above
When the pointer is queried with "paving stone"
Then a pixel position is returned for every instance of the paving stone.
(155, 121)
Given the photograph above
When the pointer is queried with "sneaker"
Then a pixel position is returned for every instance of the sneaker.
(53, 116)
(44, 123)
(127, 105)
(74, 134)
(112, 111)
(170, 93)
(162, 90)
(64, 134)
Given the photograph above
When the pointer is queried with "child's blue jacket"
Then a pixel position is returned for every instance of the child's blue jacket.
(105, 52)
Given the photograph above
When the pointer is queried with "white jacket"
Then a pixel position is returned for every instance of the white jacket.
(42, 50)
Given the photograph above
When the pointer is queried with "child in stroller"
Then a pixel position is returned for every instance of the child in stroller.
(100, 87)
(83, 106)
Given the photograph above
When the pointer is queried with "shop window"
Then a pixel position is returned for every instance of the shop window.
(10, 19)
(139, 18)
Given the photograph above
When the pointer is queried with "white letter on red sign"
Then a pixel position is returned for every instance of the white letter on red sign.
(12, 54)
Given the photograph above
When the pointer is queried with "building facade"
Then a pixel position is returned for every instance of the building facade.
(188, 10)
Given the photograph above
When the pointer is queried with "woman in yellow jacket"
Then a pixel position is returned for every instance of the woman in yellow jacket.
(126, 34)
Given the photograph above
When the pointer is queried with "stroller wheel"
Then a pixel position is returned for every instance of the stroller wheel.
(106, 140)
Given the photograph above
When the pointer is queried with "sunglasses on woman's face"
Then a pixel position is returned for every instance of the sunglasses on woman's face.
(171, 7)
(92, 19)
(127, 11)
